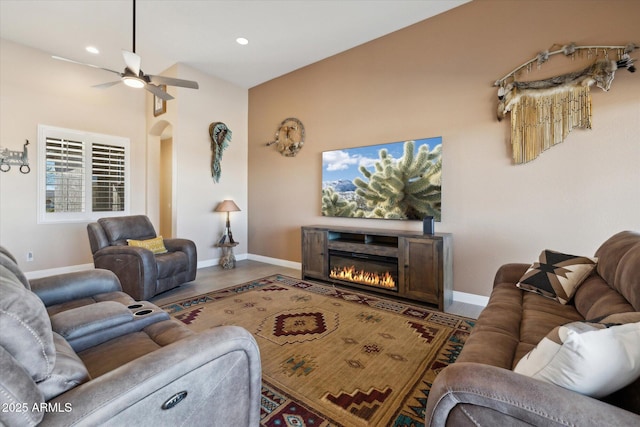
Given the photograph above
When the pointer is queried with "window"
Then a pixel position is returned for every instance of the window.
(82, 176)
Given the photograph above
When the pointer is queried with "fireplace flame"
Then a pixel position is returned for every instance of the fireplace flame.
(351, 274)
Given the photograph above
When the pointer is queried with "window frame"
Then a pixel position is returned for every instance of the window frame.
(87, 139)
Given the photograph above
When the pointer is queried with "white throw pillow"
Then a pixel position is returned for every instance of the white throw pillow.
(588, 358)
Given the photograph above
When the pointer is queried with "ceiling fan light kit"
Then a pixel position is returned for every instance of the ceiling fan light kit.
(134, 82)
(134, 77)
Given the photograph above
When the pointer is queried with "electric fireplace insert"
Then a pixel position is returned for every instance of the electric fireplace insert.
(364, 269)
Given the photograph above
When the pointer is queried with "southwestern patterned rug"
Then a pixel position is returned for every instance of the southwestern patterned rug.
(334, 357)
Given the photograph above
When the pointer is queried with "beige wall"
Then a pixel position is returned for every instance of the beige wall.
(35, 89)
(435, 79)
(195, 194)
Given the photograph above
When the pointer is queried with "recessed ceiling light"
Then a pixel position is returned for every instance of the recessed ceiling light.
(242, 41)
(92, 49)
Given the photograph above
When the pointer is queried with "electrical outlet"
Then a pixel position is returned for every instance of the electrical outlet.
(29, 256)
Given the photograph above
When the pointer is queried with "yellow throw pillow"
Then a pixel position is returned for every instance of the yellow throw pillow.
(154, 245)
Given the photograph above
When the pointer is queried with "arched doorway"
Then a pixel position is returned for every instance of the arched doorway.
(166, 187)
(161, 178)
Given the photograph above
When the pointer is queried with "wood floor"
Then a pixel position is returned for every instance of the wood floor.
(215, 278)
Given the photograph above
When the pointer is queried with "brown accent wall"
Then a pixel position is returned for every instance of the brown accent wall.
(435, 79)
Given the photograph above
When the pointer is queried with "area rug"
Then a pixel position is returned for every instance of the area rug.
(331, 356)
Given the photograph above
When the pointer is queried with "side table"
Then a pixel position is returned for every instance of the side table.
(228, 259)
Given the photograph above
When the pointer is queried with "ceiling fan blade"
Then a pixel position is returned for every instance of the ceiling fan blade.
(82, 63)
(161, 80)
(132, 60)
(106, 85)
(158, 92)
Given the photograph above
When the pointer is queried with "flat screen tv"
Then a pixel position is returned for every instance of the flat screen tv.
(398, 180)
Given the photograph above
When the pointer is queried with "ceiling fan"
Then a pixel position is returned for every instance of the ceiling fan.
(133, 76)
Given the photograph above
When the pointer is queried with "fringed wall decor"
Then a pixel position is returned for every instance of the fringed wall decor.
(220, 138)
(543, 112)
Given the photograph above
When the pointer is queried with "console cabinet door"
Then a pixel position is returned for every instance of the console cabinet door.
(421, 265)
(314, 249)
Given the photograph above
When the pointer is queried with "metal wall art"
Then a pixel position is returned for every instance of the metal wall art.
(289, 137)
(543, 112)
(220, 136)
(14, 157)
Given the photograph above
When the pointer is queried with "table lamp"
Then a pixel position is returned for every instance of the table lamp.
(227, 206)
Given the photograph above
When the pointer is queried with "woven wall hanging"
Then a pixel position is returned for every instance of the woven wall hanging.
(220, 136)
(543, 112)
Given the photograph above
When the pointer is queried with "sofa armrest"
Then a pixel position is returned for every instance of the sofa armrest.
(510, 273)
(135, 267)
(71, 286)
(189, 248)
(144, 255)
(90, 325)
(90, 319)
(219, 369)
(471, 394)
(176, 244)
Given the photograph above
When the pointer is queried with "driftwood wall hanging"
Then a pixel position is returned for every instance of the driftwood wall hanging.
(220, 138)
(543, 112)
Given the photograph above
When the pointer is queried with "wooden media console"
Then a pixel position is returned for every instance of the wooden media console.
(400, 263)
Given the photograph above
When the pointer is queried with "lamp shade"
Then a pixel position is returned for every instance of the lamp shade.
(227, 206)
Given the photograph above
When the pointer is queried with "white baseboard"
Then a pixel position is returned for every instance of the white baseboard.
(215, 261)
(60, 270)
(470, 298)
(275, 261)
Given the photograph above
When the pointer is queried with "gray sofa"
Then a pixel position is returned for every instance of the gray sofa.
(76, 350)
(481, 388)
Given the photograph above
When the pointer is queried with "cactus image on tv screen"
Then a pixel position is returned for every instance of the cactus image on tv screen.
(399, 180)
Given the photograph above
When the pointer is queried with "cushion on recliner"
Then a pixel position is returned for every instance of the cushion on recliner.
(27, 339)
(155, 245)
(171, 263)
(8, 261)
(119, 229)
(68, 372)
(26, 329)
(18, 394)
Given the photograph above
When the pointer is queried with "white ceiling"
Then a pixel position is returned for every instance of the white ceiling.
(283, 35)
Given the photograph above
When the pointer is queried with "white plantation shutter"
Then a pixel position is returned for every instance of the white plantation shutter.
(64, 175)
(107, 178)
(82, 176)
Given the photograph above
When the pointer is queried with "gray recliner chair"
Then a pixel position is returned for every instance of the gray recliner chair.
(142, 273)
(72, 352)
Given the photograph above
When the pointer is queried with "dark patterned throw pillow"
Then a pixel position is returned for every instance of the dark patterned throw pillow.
(557, 275)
